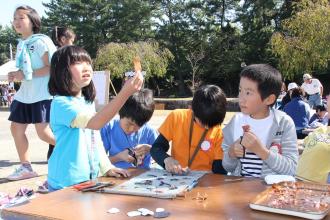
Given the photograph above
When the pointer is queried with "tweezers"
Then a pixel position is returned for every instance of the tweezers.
(97, 186)
(240, 142)
(132, 154)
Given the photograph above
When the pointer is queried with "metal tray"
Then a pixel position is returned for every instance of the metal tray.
(301, 199)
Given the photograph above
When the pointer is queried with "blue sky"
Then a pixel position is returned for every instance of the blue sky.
(7, 8)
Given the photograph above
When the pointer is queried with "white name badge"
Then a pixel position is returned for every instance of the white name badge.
(205, 145)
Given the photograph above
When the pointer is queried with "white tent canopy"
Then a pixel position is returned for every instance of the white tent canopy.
(6, 68)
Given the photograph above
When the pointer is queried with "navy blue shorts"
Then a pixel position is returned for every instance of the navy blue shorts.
(33, 113)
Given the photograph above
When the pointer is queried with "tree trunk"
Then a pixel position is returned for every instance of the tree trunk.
(175, 48)
(223, 13)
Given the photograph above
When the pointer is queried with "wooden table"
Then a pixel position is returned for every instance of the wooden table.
(225, 200)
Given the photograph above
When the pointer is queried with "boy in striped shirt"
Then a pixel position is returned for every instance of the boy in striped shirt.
(260, 140)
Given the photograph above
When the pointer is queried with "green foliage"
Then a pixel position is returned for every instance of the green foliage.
(304, 43)
(186, 26)
(97, 22)
(216, 36)
(259, 19)
(223, 61)
(117, 58)
(7, 36)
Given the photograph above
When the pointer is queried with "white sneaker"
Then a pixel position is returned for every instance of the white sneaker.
(21, 173)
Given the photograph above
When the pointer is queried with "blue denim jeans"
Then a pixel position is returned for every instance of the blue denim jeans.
(314, 100)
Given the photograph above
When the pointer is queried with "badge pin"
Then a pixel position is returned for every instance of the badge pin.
(205, 145)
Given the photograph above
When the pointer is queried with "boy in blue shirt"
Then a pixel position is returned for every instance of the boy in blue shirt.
(128, 140)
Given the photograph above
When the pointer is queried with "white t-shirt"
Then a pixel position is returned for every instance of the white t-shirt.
(313, 87)
(36, 90)
(251, 163)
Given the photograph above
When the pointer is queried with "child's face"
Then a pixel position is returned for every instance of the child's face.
(128, 125)
(82, 74)
(250, 100)
(22, 23)
(64, 41)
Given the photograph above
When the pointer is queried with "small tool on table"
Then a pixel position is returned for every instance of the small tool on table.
(92, 186)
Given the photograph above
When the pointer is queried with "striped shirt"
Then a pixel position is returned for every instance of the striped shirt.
(251, 165)
(281, 142)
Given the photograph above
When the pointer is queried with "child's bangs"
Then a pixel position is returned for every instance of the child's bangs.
(79, 55)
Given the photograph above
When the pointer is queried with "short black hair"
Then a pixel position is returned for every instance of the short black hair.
(209, 105)
(59, 32)
(268, 78)
(60, 82)
(296, 93)
(322, 107)
(139, 107)
(33, 16)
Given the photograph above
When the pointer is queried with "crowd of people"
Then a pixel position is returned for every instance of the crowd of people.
(57, 96)
(300, 103)
(6, 95)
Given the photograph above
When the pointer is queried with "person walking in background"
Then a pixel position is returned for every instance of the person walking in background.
(313, 90)
(31, 104)
(63, 36)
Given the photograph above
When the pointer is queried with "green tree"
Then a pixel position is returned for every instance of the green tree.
(303, 45)
(7, 36)
(117, 58)
(172, 32)
(259, 19)
(97, 22)
(187, 25)
(223, 61)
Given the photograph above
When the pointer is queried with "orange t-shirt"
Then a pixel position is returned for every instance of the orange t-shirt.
(176, 128)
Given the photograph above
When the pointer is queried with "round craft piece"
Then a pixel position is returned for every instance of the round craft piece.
(163, 214)
(205, 145)
(160, 210)
(133, 213)
(113, 210)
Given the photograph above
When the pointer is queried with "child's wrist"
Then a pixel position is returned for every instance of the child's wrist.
(264, 154)
(167, 159)
(124, 93)
(231, 153)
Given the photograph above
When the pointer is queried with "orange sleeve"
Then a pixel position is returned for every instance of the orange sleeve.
(218, 152)
(166, 129)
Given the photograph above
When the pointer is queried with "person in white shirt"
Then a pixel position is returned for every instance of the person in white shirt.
(313, 89)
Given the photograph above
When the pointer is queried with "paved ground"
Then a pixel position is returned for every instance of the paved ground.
(38, 150)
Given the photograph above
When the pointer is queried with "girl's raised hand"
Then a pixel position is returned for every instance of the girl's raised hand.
(134, 84)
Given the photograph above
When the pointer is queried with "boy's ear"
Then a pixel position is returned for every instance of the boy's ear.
(270, 99)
